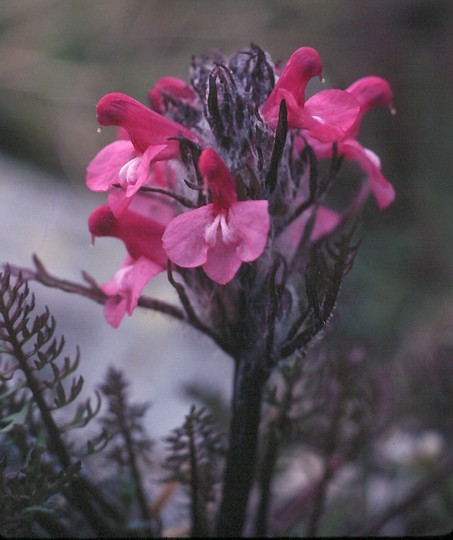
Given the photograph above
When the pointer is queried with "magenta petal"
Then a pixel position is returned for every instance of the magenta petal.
(184, 238)
(222, 262)
(219, 179)
(126, 287)
(326, 221)
(141, 235)
(383, 191)
(293, 110)
(115, 310)
(371, 92)
(249, 221)
(143, 173)
(103, 170)
(329, 114)
(143, 271)
(118, 202)
(249, 224)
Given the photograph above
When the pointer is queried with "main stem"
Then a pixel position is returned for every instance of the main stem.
(249, 382)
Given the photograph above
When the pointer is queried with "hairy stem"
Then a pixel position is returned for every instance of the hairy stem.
(242, 453)
(275, 433)
(265, 481)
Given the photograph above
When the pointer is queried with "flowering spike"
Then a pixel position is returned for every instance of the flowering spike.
(243, 187)
(223, 171)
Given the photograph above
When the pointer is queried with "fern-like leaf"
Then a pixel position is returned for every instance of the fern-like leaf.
(195, 452)
(130, 446)
(32, 386)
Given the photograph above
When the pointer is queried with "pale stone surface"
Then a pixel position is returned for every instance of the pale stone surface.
(44, 216)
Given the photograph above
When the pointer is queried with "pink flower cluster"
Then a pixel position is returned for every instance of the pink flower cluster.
(188, 178)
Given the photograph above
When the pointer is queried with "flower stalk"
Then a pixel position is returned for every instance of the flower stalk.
(239, 473)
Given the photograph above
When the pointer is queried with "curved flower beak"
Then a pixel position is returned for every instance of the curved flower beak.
(303, 65)
(145, 127)
(370, 92)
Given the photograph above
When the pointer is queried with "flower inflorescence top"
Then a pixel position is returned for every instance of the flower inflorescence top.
(217, 173)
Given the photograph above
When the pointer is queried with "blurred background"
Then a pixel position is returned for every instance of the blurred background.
(58, 57)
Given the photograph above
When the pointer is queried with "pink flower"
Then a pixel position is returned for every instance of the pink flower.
(172, 87)
(369, 162)
(128, 162)
(158, 175)
(125, 288)
(370, 92)
(141, 235)
(327, 116)
(146, 258)
(325, 222)
(120, 163)
(222, 234)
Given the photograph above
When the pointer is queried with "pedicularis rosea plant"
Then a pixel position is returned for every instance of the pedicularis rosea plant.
(230, 184)
(217, 181)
